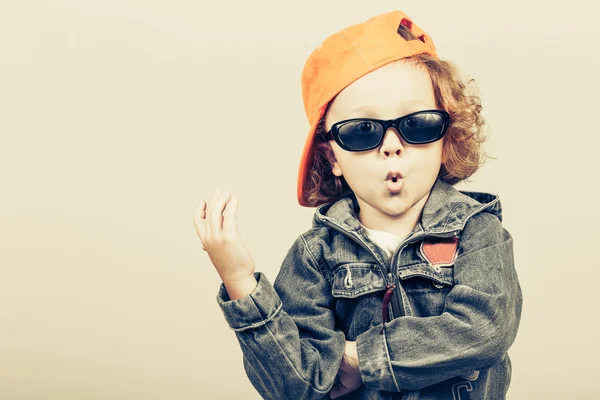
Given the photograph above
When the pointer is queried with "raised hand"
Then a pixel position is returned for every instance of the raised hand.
(216, 226)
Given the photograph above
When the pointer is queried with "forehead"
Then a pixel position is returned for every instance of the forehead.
(388, 92)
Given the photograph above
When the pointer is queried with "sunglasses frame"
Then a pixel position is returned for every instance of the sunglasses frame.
(332, 134)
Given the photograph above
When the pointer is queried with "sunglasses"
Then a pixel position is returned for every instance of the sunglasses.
(359, 134)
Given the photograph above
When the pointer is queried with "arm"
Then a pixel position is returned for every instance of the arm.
(286, 330)
(478, 325)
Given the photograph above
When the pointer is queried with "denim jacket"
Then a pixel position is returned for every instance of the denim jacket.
(454, 306)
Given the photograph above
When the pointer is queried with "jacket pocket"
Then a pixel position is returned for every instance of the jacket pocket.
(436, 261)
(426, 287)
(351, 280)
(426, 276)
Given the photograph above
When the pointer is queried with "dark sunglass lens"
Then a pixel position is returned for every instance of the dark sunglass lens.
(359, 135)
(424, 127)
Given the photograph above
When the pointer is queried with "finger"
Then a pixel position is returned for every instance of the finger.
(339, 390)
(199, 219)
(344, 366)
(216, 217)
(216, 214)
(230, 215)
(347, 380)
(211, 204)
(207, 218)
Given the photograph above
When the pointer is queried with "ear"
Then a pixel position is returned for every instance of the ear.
(444, 151)
(337, 171)
(335, 166)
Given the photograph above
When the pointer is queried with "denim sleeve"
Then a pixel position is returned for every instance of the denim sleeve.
(478, 325)
(286, 330)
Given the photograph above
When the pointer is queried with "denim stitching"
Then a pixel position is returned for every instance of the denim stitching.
(450, 214)
(259, 323)
(408, 308)
(478, 210)
(425, 274)
(389, 360)
(317, 261)
(293, 367)
(346, 292)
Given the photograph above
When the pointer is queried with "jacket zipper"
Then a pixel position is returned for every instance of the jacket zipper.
(391, 277)
(396, 299)
(335, 226)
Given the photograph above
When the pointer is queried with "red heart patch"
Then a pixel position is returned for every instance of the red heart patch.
(440, 252)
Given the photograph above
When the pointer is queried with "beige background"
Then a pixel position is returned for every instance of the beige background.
(117, 117)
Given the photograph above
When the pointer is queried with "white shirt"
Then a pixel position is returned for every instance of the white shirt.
(387, 241)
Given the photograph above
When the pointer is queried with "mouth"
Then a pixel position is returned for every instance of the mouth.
(394, 176)
(394, 182)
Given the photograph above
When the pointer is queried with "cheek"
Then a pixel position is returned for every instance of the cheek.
(354, 167)
(443, 151)
(347, 166)
(342, 157)
(428, 157)
(435, 151)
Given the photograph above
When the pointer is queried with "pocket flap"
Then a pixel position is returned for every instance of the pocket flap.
(442, 275)
(355, 279)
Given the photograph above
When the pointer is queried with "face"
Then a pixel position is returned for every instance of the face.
(389, 92)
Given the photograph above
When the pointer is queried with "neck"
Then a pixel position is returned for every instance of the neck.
(401, 224)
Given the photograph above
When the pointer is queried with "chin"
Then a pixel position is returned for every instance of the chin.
(395, 205)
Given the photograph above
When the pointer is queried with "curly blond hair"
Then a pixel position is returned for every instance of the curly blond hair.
(463, 141)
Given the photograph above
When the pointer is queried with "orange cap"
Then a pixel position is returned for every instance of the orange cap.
(346, 56)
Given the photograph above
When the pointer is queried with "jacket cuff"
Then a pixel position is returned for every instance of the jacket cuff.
(374, 360)
(252, 310)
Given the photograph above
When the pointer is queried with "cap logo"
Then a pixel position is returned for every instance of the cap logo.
(408, 24)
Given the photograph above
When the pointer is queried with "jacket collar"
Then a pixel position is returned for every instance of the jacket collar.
(446, 209)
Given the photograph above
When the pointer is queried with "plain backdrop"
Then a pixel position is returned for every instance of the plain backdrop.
(118, 117)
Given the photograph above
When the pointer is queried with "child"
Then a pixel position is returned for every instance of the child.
(404, 287)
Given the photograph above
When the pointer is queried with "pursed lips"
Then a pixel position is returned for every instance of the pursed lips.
(393, 175)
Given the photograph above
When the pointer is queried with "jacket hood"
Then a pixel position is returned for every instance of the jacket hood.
(447, 208)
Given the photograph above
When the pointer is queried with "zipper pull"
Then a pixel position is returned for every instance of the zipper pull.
(387, 297)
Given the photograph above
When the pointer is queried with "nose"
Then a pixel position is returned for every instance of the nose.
(392, 143)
